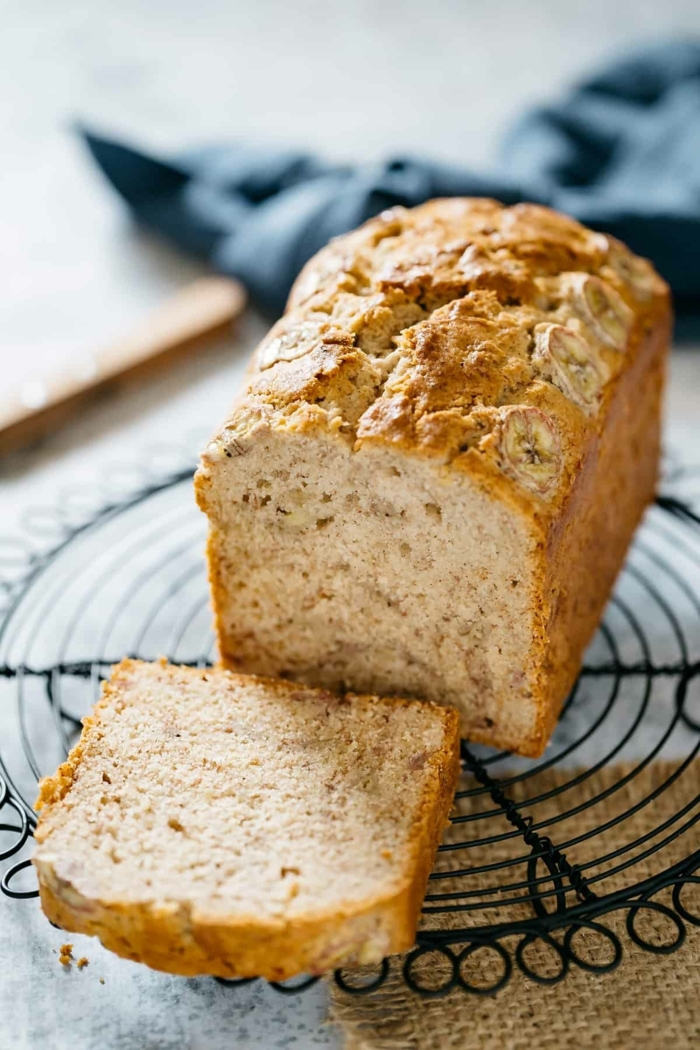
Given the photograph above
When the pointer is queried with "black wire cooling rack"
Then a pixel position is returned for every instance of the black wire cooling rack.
(538, 852)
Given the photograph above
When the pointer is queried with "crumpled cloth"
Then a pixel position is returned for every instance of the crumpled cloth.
(620, 152)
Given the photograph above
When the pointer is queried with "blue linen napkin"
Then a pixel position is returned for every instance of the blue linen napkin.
(621, 152)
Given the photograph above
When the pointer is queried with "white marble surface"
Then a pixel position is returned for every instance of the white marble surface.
(361, 78)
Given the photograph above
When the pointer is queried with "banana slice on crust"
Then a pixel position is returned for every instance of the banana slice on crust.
(572, 364)
(529, 447)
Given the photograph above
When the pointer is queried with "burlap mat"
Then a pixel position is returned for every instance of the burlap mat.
(649, 1002)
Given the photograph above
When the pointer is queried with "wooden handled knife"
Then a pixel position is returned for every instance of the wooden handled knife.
(201, 311)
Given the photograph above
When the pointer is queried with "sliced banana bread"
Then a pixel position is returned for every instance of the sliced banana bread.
(432, 478)
(211, 823)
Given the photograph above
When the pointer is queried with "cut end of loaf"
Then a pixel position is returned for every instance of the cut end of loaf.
(210, 823)
(367, 571)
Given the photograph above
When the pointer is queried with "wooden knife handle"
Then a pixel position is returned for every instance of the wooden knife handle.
(203, 310)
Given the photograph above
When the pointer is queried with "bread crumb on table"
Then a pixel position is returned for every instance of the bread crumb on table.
(67, 949)
(66, 955)
(82, 962)
(102, 980)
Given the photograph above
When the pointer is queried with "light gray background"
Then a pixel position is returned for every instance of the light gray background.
(347, 79)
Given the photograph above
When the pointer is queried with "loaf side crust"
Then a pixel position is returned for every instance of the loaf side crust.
(178, 938)
(589, 546)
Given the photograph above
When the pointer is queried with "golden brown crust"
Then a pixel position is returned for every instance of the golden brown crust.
(183, 939)
(427, 328)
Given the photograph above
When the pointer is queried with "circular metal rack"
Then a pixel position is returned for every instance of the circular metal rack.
(538, 853)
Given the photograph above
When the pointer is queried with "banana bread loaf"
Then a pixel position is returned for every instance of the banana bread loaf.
(209, 823)
(445, 445)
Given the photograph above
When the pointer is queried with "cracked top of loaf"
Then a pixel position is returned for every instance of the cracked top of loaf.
(487, 337)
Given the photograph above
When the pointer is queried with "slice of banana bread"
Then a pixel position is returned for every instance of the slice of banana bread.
(211, 823)
(444, 448)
